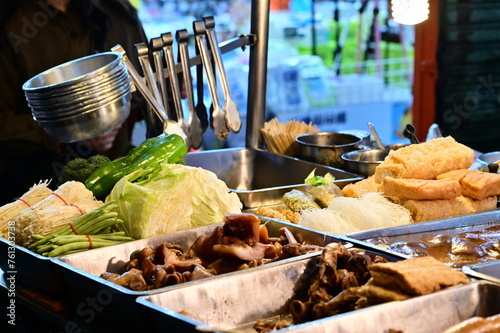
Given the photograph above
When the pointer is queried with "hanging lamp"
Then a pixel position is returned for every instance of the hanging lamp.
(410, 12)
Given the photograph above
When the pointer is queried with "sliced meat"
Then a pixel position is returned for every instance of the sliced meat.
(246, 252)
(297, 249)
(244, 226)
(203, 246)
(200, 272)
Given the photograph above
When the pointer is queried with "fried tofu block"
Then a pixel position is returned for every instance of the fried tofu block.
(429, 210)
(358, 189)
(458, 175)
(416, 276)
(475, 184)
(425, 160)
(421, 189)
(479, 205)
(377, 295)
(477, 325)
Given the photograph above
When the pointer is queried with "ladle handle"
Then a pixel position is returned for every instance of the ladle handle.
(376, 136)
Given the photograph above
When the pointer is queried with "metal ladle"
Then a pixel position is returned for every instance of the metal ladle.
(169, 126)
(376, 136)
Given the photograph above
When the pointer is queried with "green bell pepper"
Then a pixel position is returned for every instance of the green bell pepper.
(165, 147)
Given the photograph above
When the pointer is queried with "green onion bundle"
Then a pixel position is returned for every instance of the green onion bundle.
(89, 231)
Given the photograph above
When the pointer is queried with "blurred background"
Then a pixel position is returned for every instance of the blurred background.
(337, 64)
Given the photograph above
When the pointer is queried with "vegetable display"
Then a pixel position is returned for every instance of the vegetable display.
(169, 148)
(12, 210)
(92, 230)
(171, 197)
(79, 169)
(68, 202)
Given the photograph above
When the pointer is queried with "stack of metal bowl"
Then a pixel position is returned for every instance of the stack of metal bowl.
(81, 99)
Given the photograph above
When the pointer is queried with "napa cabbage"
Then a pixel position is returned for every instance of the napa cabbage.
(171, 197)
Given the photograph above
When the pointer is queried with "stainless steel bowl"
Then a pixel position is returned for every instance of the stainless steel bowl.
(65, 76)
(363, 135)
(364, 162)
(82, 93)
(326, 147)
(488, 158)
(91, 82)
(392, 146)
(86, 125)
(80, 105)
(81, 99)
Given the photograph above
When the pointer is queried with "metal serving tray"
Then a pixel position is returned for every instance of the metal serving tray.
(81, 271)
(487, 271)
(26, 264)
(431, 313)
(414, 232)
(233, 302)
(261, 178)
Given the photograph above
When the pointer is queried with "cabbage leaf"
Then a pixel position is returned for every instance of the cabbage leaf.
(171, 197)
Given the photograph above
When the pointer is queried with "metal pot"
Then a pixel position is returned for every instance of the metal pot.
(487, 158)
(364, 162)
(363, 135)
(326, 147)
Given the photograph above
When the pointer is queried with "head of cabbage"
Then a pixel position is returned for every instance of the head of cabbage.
(171, 197)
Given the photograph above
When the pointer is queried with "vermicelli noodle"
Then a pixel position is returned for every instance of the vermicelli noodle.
(345, 214)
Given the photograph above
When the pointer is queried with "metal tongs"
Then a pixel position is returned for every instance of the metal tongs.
(194, 123)
(156, 45)
(218, 114)
(233, 119)
(169, 126)
(168, 53)
(409, 133)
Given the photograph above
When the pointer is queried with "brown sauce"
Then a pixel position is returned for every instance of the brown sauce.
(462, 249)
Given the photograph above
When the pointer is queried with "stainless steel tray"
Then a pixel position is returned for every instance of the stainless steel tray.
(81, 271)
(414, 232)
(232, 302)
(260, 178)
(425, 314)
(487, 271)
(25, 264)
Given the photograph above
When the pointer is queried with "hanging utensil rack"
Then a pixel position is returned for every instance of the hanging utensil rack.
(256, 41)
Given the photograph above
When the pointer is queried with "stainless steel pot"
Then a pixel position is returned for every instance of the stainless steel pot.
(326, 147)
(364, 162)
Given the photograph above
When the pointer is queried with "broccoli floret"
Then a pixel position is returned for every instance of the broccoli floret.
(98, 160)
(79, 169)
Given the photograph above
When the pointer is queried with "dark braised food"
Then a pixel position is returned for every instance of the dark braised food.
(242, 242)
(351, 279)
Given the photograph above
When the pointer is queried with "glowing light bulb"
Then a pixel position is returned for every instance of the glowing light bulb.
(410, 12)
